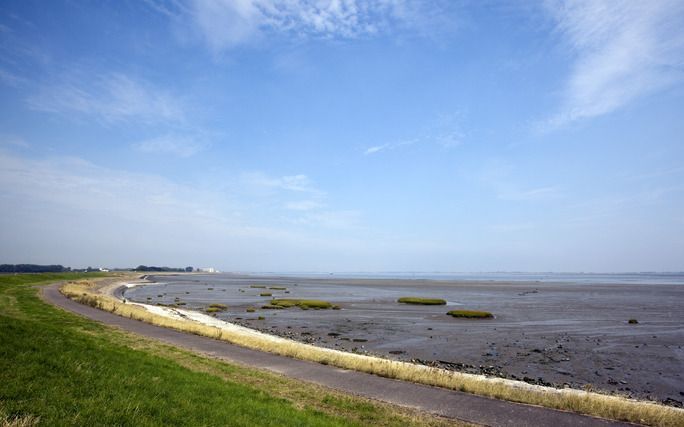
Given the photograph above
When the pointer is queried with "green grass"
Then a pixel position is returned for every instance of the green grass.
(219, 306)
(265, 294)
(304, 304)
(421, 301)
(471, 314)
(61, 369)
(278, 288)
(258, 286)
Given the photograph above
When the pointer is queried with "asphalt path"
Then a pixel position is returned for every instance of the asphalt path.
(435, 400)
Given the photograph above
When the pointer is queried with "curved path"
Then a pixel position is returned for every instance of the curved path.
(440, 401)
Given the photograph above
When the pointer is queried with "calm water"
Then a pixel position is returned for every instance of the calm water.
(589, 278)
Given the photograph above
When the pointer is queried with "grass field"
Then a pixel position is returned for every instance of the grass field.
(57, 368)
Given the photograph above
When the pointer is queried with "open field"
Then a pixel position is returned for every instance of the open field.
(57, 368)
(580, 401)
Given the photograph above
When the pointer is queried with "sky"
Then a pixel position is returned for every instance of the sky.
(359, 136)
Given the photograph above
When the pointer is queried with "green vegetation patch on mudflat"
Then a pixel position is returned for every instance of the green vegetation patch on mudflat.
(58, 368)
(278, 288)
(304, 304)
(421, 301)
(471, 314)
(258, 286)
(219, 306)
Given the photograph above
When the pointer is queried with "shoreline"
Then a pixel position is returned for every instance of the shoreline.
(613, 407)
(197, 316)
(552, 334)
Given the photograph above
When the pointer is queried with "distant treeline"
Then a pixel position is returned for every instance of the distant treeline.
(35, 268)
(153, 268)
(32, 268)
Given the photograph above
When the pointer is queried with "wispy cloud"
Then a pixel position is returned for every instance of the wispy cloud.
(331, 219)
(173, 144)
(388, 146)
(13, 141)
(542, 193)
(623, 50)
(224, 24)
(112, 98)
(295, 183)
(303, 205)
(445, 131)
(375, 149)
(512, 227)
(502, 179)
(85, 187)
(139, 200)
(11, 79)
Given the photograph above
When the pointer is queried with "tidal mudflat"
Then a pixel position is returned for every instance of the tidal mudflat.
(563, 334)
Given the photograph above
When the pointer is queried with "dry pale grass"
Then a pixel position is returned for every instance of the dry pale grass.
(607, 406)
(19, 421)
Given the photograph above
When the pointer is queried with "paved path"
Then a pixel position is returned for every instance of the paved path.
(447, 403)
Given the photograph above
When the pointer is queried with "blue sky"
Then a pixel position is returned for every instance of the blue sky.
(295, 135)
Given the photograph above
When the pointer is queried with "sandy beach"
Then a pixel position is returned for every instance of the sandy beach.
(562, 334)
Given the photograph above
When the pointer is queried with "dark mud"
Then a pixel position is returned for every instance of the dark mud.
(558, 334)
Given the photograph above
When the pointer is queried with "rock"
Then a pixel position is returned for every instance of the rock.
(672, 402)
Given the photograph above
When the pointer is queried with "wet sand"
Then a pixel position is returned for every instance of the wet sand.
(559, 334)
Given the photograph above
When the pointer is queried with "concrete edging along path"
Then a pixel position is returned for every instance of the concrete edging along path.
(440, 401)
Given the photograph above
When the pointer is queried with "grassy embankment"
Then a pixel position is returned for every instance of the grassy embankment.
(608, 406)
(57, 368)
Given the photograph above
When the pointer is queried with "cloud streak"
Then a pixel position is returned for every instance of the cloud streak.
(542, 193)
(303, 205)
(295, 183)
(622, 49)
(387, 147)
(112, 98)
(445, 131)
(176, 145)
